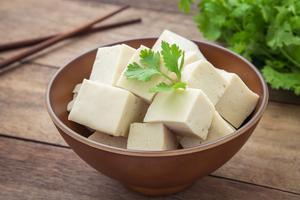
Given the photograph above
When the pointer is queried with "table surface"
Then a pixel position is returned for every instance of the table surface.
(35, 162)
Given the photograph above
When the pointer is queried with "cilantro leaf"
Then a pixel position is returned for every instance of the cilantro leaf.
(277, 80)
(185, 5)
(171, 55)
(149, 66)
(135, 71)
(266, 32)
(150, 59)
(162, 87)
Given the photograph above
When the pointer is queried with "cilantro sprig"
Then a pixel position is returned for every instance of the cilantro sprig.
(150, 66)
(267, 32)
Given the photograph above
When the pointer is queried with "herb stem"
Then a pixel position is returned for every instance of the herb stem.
(166, 76)
(267, 53)
(289, 57)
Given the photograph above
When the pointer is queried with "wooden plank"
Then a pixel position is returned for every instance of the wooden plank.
(158, 5)
(23, 111)
(270, 157)
(153, 23)
(35, 14)
(36, 171)
(284, 96)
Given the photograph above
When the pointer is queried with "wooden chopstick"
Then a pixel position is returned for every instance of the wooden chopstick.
(33, 41)
(54, 40)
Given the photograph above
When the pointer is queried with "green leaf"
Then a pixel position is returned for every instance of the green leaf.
(135, 71)
(266, 32)
(171, 55)
(185, 5)
(277, 80)
(173, 58)
(161, 87)
(150, 59)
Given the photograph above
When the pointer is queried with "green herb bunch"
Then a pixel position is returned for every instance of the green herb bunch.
(150, 66)
(267, 32)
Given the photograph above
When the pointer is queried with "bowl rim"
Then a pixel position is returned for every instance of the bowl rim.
(207, 145)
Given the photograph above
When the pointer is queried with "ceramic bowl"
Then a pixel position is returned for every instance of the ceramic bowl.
(153, 173)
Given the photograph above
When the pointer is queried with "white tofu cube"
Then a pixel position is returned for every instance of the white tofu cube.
(70, 105)
(110, 62)
(77, 88)
(103, 138)
(139, 88)
(106, 109)
(188, 112)
(190, 57)
(75, 92)
(219, 128)
(151, 137)
(226, 75)
(203, 75)
(183, 43)
(237, 102)
(188, 142)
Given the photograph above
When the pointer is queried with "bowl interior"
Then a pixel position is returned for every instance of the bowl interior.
(60, 90)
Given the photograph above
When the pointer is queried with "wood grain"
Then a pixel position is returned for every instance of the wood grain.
(157, 5)
(36, 171)
(153, 24)
(22, 109)
(271, 156)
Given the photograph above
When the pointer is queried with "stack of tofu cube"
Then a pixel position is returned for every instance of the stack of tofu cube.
(125, 114)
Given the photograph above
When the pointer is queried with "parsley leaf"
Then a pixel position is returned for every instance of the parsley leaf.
(185, 5)
(150, 59)
(149, 66)
(162, 87)
(135, 71)
(266, 32)
(288, 81)
(171, 55)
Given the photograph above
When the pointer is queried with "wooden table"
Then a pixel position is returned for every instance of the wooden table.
(35, 163)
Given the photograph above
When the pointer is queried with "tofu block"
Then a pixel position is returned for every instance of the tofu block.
(103, 138)
(237, 102)
(190, 57)
(151, 137)
(106, 109)
(188, 142)
(139, 88)
(110, 62)
(77, 88)
(70, 105)
(219, 128)
(188, 112)
(183, 43)
(226, 75)
(203, 75)
(75, 92)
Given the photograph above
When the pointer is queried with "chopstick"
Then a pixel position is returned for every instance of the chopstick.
(33, 41)
(54, 40)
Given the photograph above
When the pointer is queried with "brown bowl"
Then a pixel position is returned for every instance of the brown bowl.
(153, 173)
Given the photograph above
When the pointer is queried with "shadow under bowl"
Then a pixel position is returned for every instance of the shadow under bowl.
(153, 173)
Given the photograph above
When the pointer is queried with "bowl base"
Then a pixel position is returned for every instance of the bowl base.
(158, 191)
